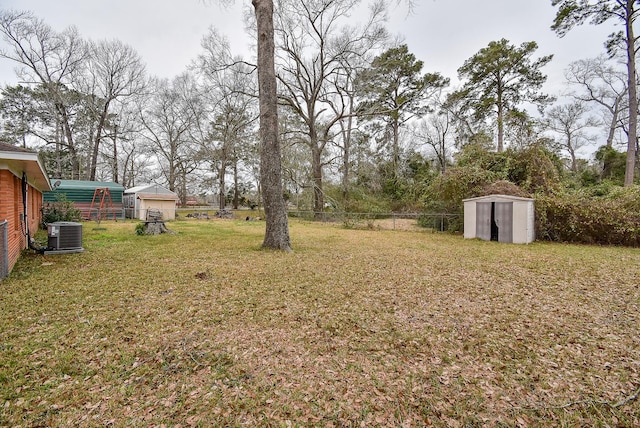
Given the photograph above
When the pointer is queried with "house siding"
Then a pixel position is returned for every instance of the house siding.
(12, 209)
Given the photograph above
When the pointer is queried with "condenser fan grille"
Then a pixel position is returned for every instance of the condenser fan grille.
(65, 235)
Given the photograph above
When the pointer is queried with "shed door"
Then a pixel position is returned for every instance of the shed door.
(483, 220)
(504, 220)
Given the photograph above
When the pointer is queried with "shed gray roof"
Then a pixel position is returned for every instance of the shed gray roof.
(493, 197)
(150, 189)
(158, 196)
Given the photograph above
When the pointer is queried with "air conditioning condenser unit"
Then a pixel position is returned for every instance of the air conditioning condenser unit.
(64, 237)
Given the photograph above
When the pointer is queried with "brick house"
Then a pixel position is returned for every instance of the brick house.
(22, 181)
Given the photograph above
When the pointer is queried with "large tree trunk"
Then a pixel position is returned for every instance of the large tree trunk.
(66, 129)
(346, 157)
(612, 127)
(395, 150)
(316, 167)
(633, 97)
(277, 224)
(500, 147)
(115, 154)
(221, 184)
(171, 176)
(236, 191)
(98, 139)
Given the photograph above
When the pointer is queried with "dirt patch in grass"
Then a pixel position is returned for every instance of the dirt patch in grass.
(355, 328)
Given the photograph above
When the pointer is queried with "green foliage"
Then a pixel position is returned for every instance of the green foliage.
(394, 87)
(17, 108)
(360, 200)
(604, 213)
(519, 172)
(499, 78)
(446, 192)
(61, 210)
(612, 219)
(481, 155)
(571, 14)
(405, 186)
(533, 168)
(613, 164)
(139, 229)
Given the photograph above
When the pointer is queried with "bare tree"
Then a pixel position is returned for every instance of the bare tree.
(436, 132)
(125, 151)
(47, 58)
(167, 118)
(317, 42)
(599, 82)
(114, 72)
(231, 96)
(344, 103)
(570, 122)
(572, 13)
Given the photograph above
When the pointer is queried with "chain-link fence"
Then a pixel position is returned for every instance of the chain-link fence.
(434, 221)
(451, 222)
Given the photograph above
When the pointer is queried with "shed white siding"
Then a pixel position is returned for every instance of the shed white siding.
(500, 218)
(166, 206)
(138, 200)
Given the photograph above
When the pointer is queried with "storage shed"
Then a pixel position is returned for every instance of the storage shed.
(86, 196)
(138, 200)
(500, 218)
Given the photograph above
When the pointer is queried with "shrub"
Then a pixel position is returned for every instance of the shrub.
(502, 187)
(533, 168)
(446, 192)
(61, 210)
(360, 201)
(139, 229)
(582, 218)
(613, 163)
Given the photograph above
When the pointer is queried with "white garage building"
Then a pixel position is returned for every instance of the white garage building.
(500, 218)
(138, 200)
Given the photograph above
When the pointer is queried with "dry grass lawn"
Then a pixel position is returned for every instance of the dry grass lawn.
(356, 328)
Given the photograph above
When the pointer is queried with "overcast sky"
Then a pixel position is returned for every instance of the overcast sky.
(442, 33)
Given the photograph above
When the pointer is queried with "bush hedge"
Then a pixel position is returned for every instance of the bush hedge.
(613, 219)
(61, 210)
